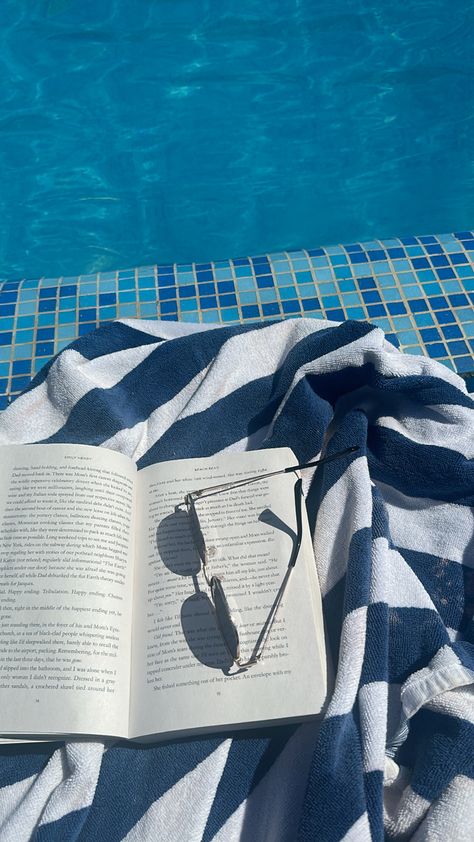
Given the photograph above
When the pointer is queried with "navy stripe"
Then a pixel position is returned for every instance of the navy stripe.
(103, 412)
(112, 337)
(132, 778)
(440, 577)
(230, 419)
(374, 792)
(415, 635)
(333, 609)
(375, 666)
(420, 470)
(335, 797)
(439, 747)
(400, 641)
(250, 407)
(19, 762)
(248, 761)
(68, 827)
(302, 424)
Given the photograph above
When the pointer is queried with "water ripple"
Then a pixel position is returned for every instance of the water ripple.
(144, 130)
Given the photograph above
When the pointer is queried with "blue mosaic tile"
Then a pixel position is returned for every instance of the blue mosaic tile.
(347, 285)
(419, 290)
(330, 301)
(355, 313)
(396, 308)
(107, 298)
(250, 311)
(231, 315)
(391, 294)
(290, 306)
(228, 300)
(247, 298)
(311, 304)
(423, 319)
(371, 296)
(417, 305)
(437, 350)
(421, 263)
(21, 367)
(7, 309)
(264, 281)
(375, 310)
(266, 295)
(366, 283)
(445, 316)
(188, 304)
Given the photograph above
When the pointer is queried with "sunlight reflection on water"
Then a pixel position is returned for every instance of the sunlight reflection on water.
(134, 132)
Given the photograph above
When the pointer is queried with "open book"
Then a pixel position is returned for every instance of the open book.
(106, 623)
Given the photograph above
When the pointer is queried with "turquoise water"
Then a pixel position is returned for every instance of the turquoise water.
(134, 131)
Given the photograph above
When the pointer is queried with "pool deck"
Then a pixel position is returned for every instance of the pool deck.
(419, 290)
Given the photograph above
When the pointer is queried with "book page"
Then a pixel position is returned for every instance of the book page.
(183, 678)
(66, 556)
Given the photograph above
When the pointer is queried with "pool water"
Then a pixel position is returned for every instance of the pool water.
(141, 131)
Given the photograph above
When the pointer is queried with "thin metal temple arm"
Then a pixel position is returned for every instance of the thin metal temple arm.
(227, 486)
(265, 633)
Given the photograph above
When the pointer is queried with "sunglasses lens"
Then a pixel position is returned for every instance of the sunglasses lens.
(226, 624)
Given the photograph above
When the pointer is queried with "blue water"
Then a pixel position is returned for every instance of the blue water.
(136, 131)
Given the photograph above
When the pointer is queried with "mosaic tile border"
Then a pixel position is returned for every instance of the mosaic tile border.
(419, 290)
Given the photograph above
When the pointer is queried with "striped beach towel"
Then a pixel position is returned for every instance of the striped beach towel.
(394, 548)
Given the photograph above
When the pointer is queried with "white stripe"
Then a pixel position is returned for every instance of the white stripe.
(346, 508)
(77, 790)
(167, 330)
(373, 700)
(41, 412)
(20, 821)
(182, 811)
(393, 581)
(404, 810)
(445, 672)
(451, 816)
(403, 364)
(426, 525)
(11, 797)
(445, 429)
(351, 657)
(258, 353)
(245, 358)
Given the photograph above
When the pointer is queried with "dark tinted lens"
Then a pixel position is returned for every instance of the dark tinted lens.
(226, 624)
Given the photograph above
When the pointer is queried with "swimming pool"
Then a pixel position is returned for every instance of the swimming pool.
(136, 132)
